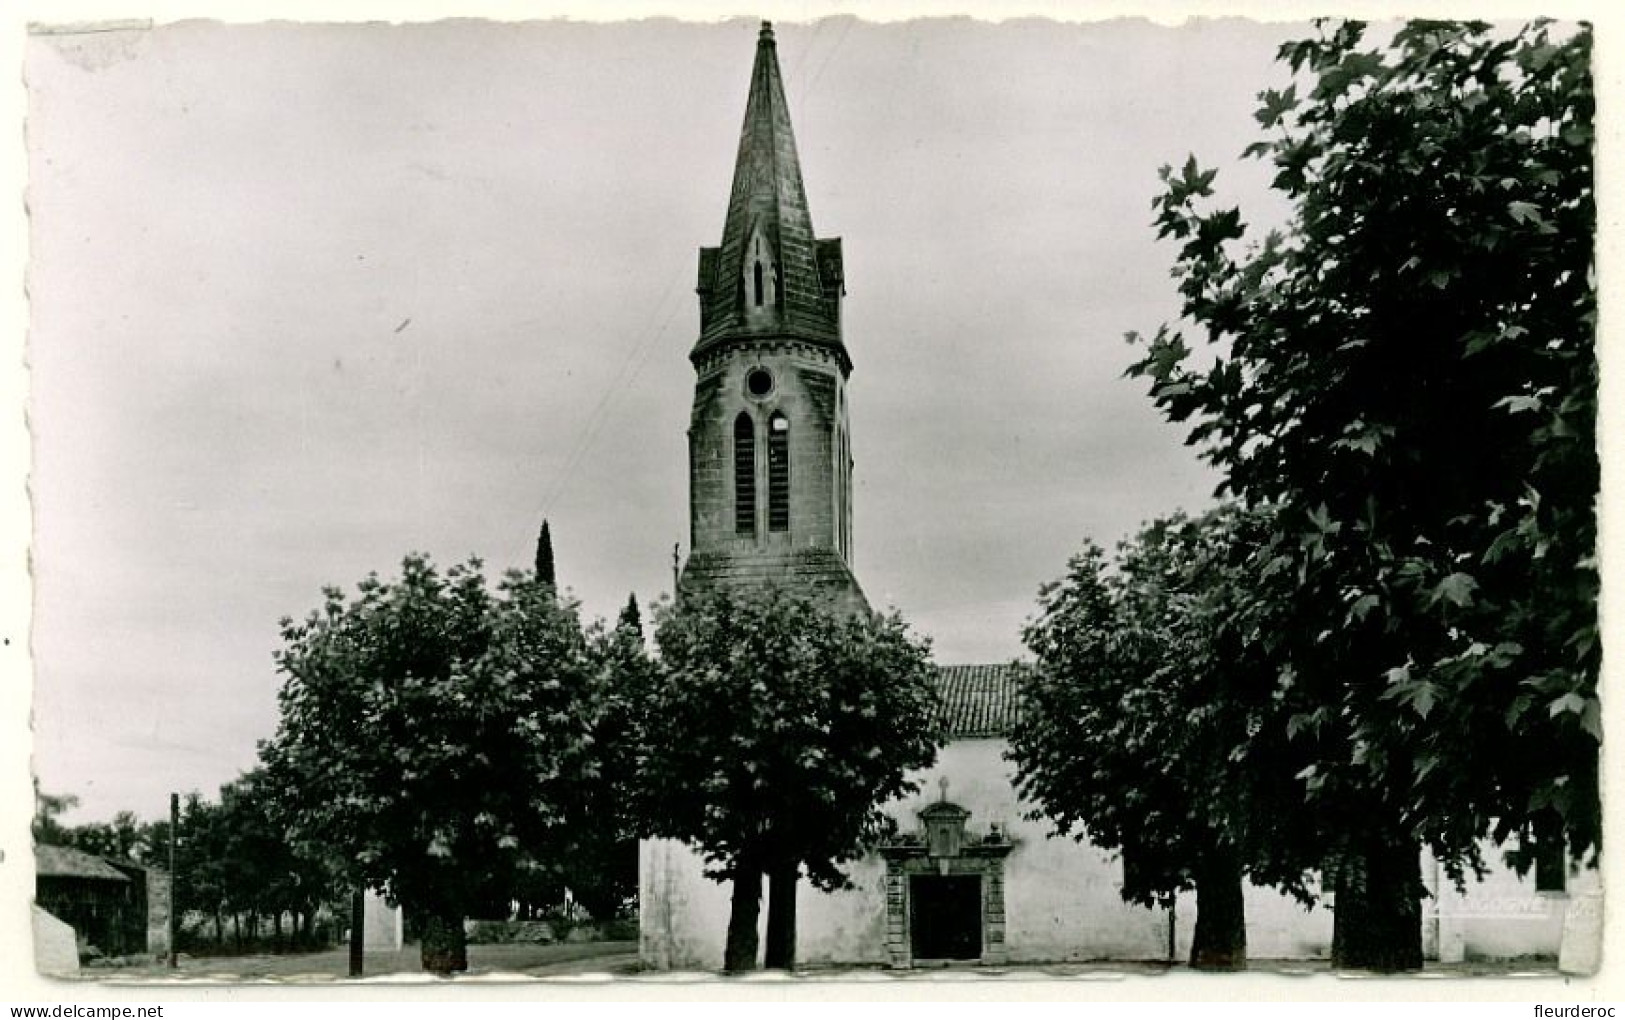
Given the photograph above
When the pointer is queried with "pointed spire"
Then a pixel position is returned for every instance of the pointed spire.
(770, 274)
(767, 188)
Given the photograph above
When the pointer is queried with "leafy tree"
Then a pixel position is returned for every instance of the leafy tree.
(48, 808)
(1406, 374)
(601, 862)
(1150, 726)
(431, 734)
(544, 557)
(232, 858)
(583, 754)
(259, 872)
(125, 837)
(203, 862)
(775, 727)
(103, 839)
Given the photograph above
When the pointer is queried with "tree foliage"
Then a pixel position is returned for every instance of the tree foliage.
(1405, 375)
(776, 727)
(234, 860)
(1151, 725)
(600, 862)
(435, 736)
(125, 837)
(49, 808)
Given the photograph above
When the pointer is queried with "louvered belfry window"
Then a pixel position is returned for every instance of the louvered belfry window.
(744, 475)
(778, 473)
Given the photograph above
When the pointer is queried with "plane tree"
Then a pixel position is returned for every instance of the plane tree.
(776, 726)
(1151, 727)
(432, 736)
(1405, 375)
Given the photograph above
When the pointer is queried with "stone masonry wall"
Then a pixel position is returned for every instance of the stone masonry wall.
(807, 385)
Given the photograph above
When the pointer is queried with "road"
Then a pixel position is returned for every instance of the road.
(521, 958)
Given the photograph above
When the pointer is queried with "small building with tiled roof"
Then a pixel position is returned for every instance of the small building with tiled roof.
(105, 902)
(66, 862)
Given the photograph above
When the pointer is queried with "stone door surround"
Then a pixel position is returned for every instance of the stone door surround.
(943, 847)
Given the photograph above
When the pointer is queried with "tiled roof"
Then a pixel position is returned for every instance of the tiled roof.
(980, 701)
(66, 862)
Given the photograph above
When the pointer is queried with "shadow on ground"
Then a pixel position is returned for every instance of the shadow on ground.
(619, 960)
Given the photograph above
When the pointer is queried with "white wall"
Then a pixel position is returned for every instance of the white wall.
(56, 947)
(1498, 917)
(1061, 897)
(382, 926)
(1278, 927)
(682, 915)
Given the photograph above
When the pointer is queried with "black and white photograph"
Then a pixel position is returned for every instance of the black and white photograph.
(804, 495)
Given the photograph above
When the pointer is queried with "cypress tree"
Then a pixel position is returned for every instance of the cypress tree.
(544, 557)
(631, 618)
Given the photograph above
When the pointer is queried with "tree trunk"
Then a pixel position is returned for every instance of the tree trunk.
(1377, 918)
(781, 916)
(444, 943)
(740, 954)
(1220, 940)
(237, 929)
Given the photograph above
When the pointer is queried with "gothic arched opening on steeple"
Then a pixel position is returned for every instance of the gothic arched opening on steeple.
(770, 346)
(778, 473)
(744, 474)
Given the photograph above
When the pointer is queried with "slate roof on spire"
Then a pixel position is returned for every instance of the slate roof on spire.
(768, 198)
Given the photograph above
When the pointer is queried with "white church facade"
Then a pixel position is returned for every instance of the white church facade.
(1007, 892)
(971, 879)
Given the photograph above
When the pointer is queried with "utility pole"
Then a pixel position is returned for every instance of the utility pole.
(676, 567)
(358, 927)
(174, 879)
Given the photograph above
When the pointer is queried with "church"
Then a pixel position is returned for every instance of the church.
(972, 880)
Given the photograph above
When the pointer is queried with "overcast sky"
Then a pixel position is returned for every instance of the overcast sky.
(306, 298)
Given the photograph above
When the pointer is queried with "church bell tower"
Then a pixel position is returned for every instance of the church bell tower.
(770, 463)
